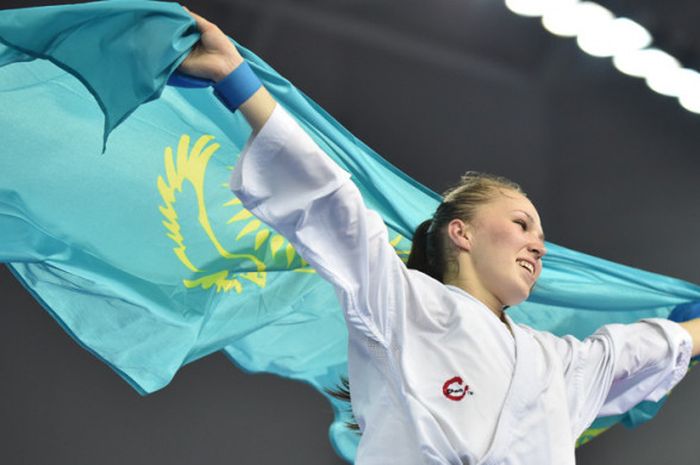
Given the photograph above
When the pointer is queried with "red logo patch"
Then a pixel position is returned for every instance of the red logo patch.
(454, 390)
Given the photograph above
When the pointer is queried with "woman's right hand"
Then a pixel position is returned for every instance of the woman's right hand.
(214, 57)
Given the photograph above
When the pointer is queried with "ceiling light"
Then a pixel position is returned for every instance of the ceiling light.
(641, 63)
(562, 19)
(675, 82)
(600, 34)
(613, 37)
(690, 102)
(530, 7)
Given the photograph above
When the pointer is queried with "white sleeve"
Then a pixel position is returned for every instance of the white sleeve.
(620, 366)
(287, 181)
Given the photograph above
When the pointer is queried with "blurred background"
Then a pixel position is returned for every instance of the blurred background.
(437, 87)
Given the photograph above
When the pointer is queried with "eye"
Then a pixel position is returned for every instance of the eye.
(522, 224)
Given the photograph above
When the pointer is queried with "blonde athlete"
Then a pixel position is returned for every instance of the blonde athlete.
(439, 372)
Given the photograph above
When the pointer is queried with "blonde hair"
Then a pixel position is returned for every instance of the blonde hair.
(431, 251)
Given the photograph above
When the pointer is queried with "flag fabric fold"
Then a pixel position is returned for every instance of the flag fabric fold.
(144, 256)
(129, 35)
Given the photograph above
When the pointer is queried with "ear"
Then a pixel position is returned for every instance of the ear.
(460, 234)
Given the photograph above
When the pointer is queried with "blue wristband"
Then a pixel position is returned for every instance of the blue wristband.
(178, 79)
(237, 87)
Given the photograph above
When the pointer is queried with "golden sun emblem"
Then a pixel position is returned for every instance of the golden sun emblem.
(257, 249)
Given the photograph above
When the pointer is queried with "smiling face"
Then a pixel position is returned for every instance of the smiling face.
(502, 250)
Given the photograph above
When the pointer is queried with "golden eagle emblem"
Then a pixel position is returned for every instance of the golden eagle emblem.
(256, 248)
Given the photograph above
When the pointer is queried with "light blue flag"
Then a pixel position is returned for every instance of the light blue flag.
(142, 253)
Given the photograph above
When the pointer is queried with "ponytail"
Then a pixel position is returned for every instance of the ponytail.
(422, 256)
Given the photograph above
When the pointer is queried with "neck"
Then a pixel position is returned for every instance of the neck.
(479, 293)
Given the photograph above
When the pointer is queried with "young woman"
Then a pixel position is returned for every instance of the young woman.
(438, 371)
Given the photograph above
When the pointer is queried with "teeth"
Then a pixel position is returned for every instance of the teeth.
(527, 265)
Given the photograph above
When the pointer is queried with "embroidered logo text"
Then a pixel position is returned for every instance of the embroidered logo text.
(455, 389)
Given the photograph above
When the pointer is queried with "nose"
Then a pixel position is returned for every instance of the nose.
(538, 249)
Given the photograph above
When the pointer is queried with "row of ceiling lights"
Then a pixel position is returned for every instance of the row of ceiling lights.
(599, 33)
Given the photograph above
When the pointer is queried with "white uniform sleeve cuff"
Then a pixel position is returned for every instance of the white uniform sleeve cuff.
(282, 159)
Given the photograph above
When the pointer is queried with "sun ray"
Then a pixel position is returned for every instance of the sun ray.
(241, 215)
(249, 228)
(261, 237)
(275, 244)
(290, 254)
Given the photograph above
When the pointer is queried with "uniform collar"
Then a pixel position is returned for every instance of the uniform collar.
(508, 323)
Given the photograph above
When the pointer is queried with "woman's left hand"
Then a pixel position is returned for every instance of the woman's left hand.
(688, 315)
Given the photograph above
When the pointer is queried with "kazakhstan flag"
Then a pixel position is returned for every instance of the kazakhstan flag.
(115, 212)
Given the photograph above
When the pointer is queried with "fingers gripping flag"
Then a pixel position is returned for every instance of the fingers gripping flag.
(142, 253)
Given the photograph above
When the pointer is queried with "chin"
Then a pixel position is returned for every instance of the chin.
(516, 298)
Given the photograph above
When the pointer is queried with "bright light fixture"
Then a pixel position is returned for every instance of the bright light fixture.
(664, 81)
(534, 8)
(600, 34)
(613, 37)
(689, 89)
(569, 18)
(690, 102)
(678, 82)
(641, 63)
(562, 19)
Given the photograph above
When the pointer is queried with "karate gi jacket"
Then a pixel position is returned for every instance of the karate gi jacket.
(435, 376)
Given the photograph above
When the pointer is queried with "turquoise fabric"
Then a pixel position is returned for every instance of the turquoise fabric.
(67, 39)
(142, 253)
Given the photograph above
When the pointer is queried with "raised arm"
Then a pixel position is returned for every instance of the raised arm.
(214, 58)
(286, 180)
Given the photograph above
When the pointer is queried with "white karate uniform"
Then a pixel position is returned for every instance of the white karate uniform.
(436, 377)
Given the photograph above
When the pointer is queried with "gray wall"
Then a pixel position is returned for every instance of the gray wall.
(437, 87)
